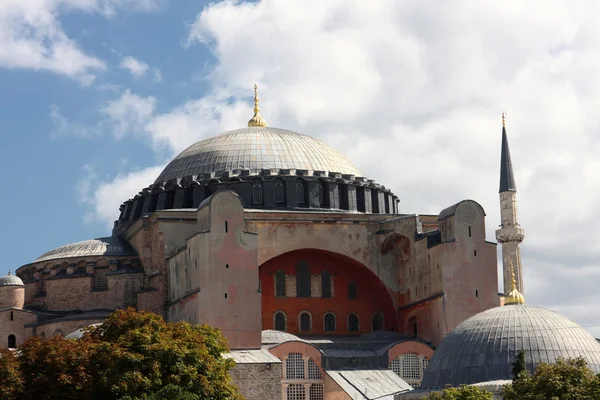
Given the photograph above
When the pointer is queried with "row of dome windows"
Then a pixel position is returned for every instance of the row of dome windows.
(303, 286)
(279, 193)
(329, 322)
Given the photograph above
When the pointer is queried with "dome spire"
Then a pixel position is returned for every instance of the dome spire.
(514, 297)
(257, 120)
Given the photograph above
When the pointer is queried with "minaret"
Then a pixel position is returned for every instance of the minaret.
(510, 234)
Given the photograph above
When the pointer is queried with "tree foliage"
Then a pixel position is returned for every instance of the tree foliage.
(519, 365)
(132, 355)
(461, 393)
(565, 380)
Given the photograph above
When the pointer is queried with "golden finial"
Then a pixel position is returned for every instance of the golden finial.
(256, 120)
(504, 118)
(514, 297)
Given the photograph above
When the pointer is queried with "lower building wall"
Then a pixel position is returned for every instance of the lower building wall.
(258, 381)
(333, 391)
(15, 326)
(64, 327)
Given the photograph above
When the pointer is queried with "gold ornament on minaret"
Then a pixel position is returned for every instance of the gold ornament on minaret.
(257, 120)
(514, 297)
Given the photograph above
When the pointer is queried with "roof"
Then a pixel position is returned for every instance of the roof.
(107, 246)
(257, 148)
(370, 384)
(271, 336)
(507, 177)
(258, 356)
(10, 280)
(484, 347)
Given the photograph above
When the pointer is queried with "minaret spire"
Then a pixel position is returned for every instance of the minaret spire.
(257, 120)
(510, 234)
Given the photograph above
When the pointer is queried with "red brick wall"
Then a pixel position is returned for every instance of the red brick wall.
(372, 296)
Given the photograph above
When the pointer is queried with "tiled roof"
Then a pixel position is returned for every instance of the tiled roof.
(258, 356)
(370, 384)
(484, 347)
(106, 246)
(257, 148)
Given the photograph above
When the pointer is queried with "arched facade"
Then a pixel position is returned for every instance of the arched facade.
(293, 283)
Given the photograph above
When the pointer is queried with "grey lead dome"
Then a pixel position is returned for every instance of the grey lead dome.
(483, 348)
(257, 148)
(10, 280)
(106, 246)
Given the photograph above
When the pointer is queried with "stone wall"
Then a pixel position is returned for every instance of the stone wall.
(12, 322)
(12, 296)
(258, 381)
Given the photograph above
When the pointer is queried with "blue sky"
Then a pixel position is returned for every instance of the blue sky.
(96, 96)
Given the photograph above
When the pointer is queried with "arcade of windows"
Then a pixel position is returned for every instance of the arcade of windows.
(301, 378)
(316, 195)
(410, 367)
(305, 322)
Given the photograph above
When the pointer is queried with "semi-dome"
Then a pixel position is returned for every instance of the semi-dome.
(484, 347)
(10, 280)
(106, 246)
(257, 148)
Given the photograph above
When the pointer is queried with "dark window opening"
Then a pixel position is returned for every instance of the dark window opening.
(278, 192)
(325, 284)
(412, 323)
(226, 227)
(279, 321)
(353, 323)
(280, 284)
(226, 265)
(225, 295)
(12, 341)
(316, 196)
(12, 317)
(377, 322)
(476, 293)
(475, 253)
(300, 193)
(257, 192)
(305, 322)
(302, 280)
(469, 231)
(100, 280)
(329, 322)
(352, 290)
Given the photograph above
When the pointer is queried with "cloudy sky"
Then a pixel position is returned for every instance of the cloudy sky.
(96, 96)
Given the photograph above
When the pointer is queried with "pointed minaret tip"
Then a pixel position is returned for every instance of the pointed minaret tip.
(507, 177)
(514, 297)
(257, 120)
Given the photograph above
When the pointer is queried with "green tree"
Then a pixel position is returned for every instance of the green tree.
(519, 365)
(132, 355)
(461, 393)
(564, 380)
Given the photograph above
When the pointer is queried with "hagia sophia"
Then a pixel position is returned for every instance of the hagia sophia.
(322, 286)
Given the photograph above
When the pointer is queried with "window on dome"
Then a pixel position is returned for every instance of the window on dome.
(278, 192)
(12, 341)
(377, 322)
(325, 284)
(257, 192)
(352, 290)
(305, 322)
(300, 193)
(316, 196)
(329, 322)
(100, 280)
(302, 280)
(280, 321)
(280, 284)
(353, 323)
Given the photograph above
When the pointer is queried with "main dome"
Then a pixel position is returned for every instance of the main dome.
(484, 347)
(257, 148)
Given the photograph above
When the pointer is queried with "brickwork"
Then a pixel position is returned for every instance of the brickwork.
(12, 322)
(12, 296)
(258, 381)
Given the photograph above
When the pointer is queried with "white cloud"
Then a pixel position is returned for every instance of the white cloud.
(129, 113)
(412, 93)
(31, 36)
(136, 67)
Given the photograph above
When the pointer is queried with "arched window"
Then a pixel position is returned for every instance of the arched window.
(353, 323)
(294, 366)
(377, 322)
(410, 367)
(100, 279)
(300, 193)
(305, 324)
(257, 192)
(325, 284)
(12, 341)
(280, 284)
(278, 192)
(329, 322)
(352, 290)
(316, 195)
(280, 321)
(302, 279)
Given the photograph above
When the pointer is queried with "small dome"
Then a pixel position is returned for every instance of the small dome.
(107, 246)
(257, 148)
(10, 280)
(271, 336)
(484, 347)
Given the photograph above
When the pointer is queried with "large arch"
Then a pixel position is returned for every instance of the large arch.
(371, 294)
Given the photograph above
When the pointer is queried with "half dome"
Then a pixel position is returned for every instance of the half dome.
(257, 148)
(10, 280)
(484, 347)
(106, 246)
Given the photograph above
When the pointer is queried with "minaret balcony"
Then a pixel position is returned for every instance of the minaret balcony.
(510, 235)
